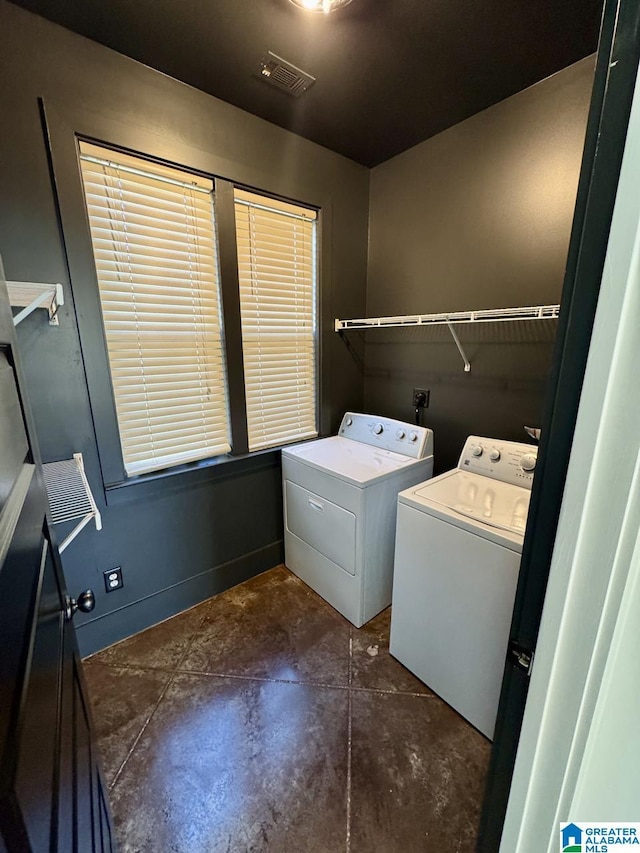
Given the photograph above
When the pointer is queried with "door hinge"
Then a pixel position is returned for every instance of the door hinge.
(520, 657)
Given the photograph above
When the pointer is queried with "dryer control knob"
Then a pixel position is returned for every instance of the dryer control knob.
(348, 422)
(413, 436)
(494, 454)
(477, 450)
(400, 434)
(378, 429)
(528, 462)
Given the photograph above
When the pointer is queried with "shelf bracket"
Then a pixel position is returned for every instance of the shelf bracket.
(31, 295)
(467, 365)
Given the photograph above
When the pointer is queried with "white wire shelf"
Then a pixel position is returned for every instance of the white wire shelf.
(30, 295)
(490, 315)
(70, 496)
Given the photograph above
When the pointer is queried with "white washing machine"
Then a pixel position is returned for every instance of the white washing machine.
(340, 502)
(458, 547)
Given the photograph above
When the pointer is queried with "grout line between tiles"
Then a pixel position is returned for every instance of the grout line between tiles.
(306, 683)
(349, 731)
(163, 693)
(395, 692)
(207, 674)
(141, 732)
(139, 667)
(262, 679)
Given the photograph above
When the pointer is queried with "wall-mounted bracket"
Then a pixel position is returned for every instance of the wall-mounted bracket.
(30, 295)
(467, 365)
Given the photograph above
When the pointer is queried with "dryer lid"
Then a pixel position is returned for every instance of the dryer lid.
(352, 461)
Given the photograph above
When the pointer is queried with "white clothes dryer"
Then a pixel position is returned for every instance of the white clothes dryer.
(340, 500)
(458, 547)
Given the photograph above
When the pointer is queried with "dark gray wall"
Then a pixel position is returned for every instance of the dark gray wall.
(476, 217)
(182, 538)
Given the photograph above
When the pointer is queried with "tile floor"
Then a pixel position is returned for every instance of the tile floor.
(261, 720)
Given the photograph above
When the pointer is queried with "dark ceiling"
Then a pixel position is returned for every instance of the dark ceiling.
(390, 73)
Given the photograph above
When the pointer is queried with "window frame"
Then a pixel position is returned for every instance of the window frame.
(64, 128)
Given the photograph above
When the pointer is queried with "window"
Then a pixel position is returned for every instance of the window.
(277, 276)
(154, 243)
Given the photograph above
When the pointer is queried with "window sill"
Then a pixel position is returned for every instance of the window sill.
(158, 483)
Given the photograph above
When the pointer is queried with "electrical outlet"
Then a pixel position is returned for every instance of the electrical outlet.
(113, 579)
(421, 398)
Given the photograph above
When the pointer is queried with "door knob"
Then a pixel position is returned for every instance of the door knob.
(86, 601)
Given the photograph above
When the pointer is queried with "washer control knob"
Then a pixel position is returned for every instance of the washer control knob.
(348, 422)
(378, 429)
(477, 450)
(413, 436)
(494, 454)
(528, 462)
(400, 434)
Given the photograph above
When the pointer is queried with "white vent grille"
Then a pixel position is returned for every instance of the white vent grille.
(284, 75)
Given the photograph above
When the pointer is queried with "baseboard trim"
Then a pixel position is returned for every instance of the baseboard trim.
(109, 628)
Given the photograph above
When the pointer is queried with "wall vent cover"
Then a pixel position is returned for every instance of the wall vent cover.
(284, 75)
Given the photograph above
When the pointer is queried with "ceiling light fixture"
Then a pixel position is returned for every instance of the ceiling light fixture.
(325, 6)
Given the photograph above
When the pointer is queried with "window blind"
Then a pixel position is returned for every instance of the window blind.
(277, 275)
(154, 242)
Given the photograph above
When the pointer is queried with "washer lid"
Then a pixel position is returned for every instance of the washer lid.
(473, 501)
(352, 461)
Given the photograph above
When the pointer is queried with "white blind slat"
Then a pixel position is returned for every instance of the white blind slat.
(153, 234)
(158, 241)
(144, 463)
(276, 268)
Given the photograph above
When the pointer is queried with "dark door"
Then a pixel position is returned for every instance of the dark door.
(614, 84)
(52, 796)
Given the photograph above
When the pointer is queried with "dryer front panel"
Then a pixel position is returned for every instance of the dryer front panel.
(325, 526)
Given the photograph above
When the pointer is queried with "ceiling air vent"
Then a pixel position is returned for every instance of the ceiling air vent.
(284, 75)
